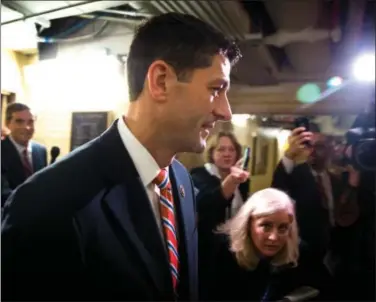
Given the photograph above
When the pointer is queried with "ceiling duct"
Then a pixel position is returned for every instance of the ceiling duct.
(227, 16)
(290, 15)
(55, 9)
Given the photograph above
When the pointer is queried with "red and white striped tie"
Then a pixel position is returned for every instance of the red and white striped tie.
(167, 211)
(26, 164)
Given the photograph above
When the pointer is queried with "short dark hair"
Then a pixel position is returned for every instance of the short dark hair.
(14, 107)
(183, 41)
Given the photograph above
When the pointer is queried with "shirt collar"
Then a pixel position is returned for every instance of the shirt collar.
(316, 174)
(212, 169)
(20, 148)
(144, 162)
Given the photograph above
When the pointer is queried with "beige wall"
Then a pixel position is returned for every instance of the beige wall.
(59, 87)
(12, 75)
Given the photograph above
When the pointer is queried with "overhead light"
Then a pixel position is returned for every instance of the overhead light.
(364, 68)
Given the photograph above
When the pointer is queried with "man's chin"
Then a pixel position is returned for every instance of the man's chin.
(199, 146)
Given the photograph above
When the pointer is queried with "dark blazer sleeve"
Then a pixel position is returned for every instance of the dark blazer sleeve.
(44, 155)
(290, 182)
(210, 196)
(312, 219)
(226, 282)
(313, 273)
(281, 179)
(5, 189)
(41, 252)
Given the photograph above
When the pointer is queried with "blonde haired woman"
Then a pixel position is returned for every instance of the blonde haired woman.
(222, 188)
(259, 256)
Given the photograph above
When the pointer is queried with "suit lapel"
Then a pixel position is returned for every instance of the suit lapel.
(130, 207)
(12, 162)
(140, 227)
(181, 188)
(183, 198)
(35, 158)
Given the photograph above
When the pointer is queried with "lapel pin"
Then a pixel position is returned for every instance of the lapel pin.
(181, 191)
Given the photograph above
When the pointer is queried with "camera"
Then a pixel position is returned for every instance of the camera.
(362, 139)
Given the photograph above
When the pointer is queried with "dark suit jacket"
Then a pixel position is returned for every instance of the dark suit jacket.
(11, 165)
(312, 217)
(211, 204)
(211, 210)
(230, 282)
(83, 229)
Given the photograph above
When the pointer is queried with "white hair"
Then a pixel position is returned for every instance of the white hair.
(261, 203)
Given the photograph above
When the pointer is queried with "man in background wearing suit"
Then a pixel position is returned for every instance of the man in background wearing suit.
(303, 173)
(20, 157)
(115, 219)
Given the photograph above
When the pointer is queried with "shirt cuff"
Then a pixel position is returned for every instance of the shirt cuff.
(288, 164)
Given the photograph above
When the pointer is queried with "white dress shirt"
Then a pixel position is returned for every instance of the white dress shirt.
(146, 166)
(289, 166)
(20, 149)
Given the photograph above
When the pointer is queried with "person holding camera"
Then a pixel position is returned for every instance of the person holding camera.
(352, 250)
(303, 173)
(222, 187)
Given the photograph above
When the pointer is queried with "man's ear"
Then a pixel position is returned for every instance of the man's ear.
(159, 77)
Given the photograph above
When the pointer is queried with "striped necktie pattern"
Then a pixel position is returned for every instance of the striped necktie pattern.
(167, 211)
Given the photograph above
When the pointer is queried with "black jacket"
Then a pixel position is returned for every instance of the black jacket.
(312, 217)
(211, 211)
(211, 204)
(11, 165)
(230, 282)
(82, 229)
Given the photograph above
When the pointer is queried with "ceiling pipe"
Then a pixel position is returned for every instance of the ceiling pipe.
(126, 13)
(48, 12)
(211, 12)
(283, 37)
(113, 19)
(218, 17)
(228, 20)
(74, 39)
(233, 25)
(311, 35)
(190, 7)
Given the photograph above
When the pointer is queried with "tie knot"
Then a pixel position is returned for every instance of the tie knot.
(162, 180)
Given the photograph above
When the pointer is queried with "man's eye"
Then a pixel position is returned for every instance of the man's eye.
(216, 90)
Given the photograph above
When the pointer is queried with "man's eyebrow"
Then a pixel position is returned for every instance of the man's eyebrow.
(223, 82)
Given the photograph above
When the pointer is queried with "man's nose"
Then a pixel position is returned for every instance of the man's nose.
(222, 109)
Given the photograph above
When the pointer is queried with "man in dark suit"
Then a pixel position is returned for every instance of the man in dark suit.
(20, 156)
(303, 173)
(94, 225)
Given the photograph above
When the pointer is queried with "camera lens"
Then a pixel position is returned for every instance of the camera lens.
(364, 154)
